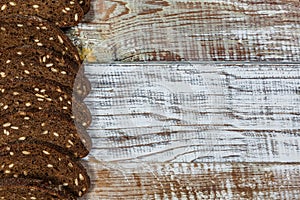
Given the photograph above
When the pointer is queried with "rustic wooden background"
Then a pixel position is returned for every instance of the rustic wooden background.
(214, 113)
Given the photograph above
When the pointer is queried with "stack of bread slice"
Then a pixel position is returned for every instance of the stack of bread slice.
(43, 119)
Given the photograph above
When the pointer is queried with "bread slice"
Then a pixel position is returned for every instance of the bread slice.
(39, 96)
(63, 13)
(34, 160)
(17, 31)
(46, 127)
(85, 5)
(24, 62)
(34, 189)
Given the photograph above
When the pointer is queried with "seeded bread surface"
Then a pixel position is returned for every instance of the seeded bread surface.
(41, 126)
(25, 62)
(43, 97)
(34, 189)
(20, 31)
(38, 161)
(63, 13)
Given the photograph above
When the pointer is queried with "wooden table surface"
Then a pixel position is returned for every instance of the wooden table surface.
(193, 99)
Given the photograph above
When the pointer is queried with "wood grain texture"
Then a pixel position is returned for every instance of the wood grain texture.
(170, 181)
(160, 30)
(195, 112)
(226, 126)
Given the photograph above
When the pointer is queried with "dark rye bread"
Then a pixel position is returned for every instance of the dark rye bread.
(45, 127)
(34, 160)
(35, 96)
(20, 31)
(23, 62)
(63, 13)
(31, 189)
(85, 5)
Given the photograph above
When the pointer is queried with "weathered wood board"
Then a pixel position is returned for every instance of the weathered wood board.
(223, 30)
(195, 131)
(170, 181)
(219, 120)
(208, 112)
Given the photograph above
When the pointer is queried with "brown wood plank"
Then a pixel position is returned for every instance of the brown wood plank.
(194, 181)
(196, 112)
(159, 30)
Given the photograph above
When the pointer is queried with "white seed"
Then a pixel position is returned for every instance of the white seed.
(50, 166)
(49, 65)
(70, 142)
(5, 107)
(2, 74)
(6, 124)
(76, 17)
(46, 152)
(39, 44)
(6, 132)
(7, 171)
(3, 7)
(11, 165)
(16, 93)
(35, 6)
(26, 118)
(12, 3)
(55, 134)
(45, 132)
(81, 177)
(60, 39)
(54, 70)
(11, 153)
(76, 181)
(22, 63)
(14, 127)
(28, 104)
(26, 152)
(20, 25)
(22, 138)
(26, 72)
(39, 95)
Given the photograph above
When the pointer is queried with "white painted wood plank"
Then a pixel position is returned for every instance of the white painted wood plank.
(196, 112)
